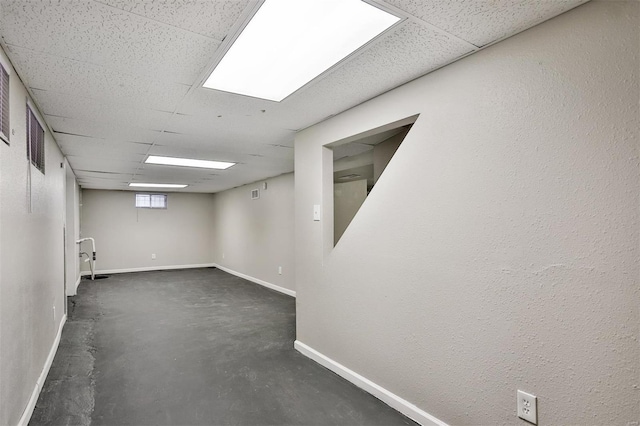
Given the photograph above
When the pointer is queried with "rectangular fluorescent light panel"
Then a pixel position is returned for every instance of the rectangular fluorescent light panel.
(188, 162)
(157, 185)
(290, 42)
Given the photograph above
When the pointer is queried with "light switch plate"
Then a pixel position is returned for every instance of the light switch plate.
(316, 212)
(528, 407)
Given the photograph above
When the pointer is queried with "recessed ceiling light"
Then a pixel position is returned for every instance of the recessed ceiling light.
(157, 185)
(188, 162)
(290, 42)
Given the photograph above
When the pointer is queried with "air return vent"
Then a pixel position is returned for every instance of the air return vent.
(255, 194)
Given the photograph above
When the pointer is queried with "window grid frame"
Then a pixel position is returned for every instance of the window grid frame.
(151, 196)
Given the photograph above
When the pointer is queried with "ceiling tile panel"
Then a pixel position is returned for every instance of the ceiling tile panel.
(102, 149)
(92, 110)
(410, 51)
(104, 131)
(109, 176)
(198, 151)
(209, 18)
(171, 173)
(211, 103)
(95, 164)
(249, 152)
(482, 22)
(88, 31)
(88, 146)
(74, 80)
(227, 129)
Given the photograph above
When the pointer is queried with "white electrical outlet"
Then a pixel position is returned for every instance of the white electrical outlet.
(528, 407)
(153, 256)
(279, 270)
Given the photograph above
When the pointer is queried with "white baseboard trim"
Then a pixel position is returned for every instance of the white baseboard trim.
(28, 411)
(75, 288)
(149, 268)
(258, 281)
(391, 399)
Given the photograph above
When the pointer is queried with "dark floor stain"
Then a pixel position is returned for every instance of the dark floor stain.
(192, 347)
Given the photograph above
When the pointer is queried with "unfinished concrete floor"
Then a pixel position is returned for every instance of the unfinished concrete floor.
(192, 347)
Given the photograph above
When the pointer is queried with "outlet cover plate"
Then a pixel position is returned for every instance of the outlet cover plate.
(528, 407)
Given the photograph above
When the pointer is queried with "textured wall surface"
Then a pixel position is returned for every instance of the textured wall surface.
(256, 236)
(127, 236)
(347, 199)
(32, 261)
(72, 222)
(511, 260)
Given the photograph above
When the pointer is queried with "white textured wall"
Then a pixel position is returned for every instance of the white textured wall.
(31, 260)
(72, 221)
(347, 199)
(126, 236)
(499, 249)
(383, 153)
(256, 236)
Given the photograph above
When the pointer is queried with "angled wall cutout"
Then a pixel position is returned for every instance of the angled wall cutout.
(358, 163)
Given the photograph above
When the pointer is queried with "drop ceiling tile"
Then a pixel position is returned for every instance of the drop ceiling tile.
(101, 149)
(409, 52)
(274, 152)
(209, 104)
(228, 129)
(102, 176)
(88, 31)
(171, 173)
(89, 146)
(75, 80)
(92, 110)
(103, 165)
(209, 18)
(482, 22)
(101, 184)
(199, 152)
(247, 153)
(106, 131)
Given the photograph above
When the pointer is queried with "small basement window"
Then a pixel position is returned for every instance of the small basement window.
(4, 104)
(151, 201)
(35, 140)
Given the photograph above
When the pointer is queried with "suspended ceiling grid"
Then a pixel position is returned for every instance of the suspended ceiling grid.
(118, 80)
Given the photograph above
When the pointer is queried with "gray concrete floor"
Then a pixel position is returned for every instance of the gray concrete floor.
(192, 347)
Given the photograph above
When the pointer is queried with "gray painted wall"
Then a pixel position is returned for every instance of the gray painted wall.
(126, 236)
(499, 249)
(31, 259)
(256, 236)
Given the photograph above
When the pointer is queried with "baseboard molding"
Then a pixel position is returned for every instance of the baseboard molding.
(28, 411)
(258, 281)
(204, 265)
(148, 269)
(391, 399)
(75, 288)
